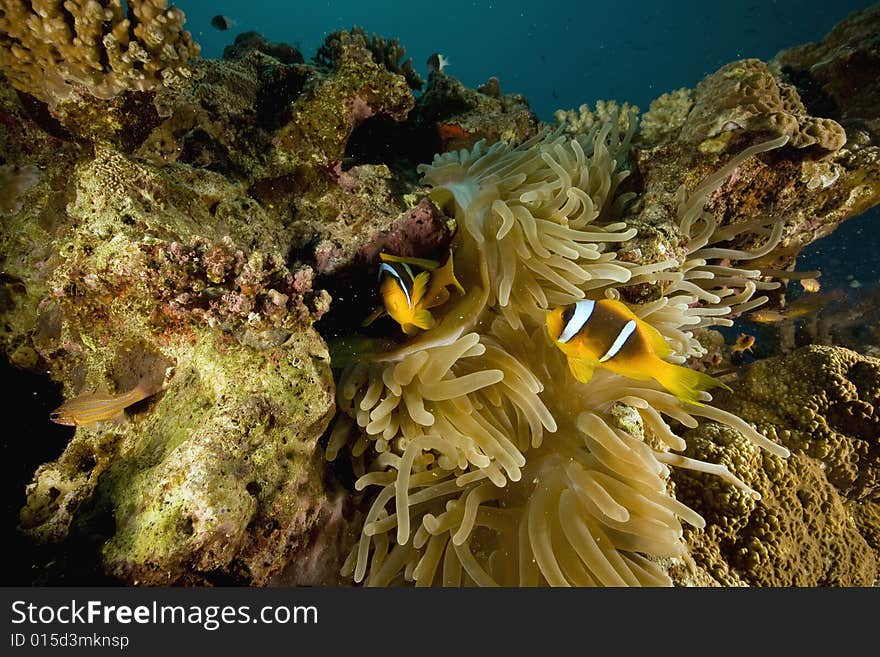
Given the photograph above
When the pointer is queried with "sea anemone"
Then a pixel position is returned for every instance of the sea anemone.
(493, 466)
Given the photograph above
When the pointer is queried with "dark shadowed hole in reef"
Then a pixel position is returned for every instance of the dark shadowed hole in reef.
(381, 140)
(29, 440)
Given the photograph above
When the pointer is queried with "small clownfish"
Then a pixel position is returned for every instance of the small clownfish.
(609, 335)
(744, 342)
(408, 296)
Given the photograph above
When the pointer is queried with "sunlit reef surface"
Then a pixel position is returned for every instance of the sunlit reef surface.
(196, 214)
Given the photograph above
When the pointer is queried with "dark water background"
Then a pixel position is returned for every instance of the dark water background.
(558, 55)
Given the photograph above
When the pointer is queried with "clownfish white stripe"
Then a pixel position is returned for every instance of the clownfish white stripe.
(620, 340)
(582, 312)
(386, 267)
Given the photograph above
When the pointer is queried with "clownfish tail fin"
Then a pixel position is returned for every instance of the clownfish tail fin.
(685, 383)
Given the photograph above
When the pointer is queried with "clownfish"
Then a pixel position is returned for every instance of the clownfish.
(408, 296)
(609, 335)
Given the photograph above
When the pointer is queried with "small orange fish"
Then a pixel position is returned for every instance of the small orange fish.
(408, 296)
(609, 335)
(743, 342)
(91, 408)
(448, 131)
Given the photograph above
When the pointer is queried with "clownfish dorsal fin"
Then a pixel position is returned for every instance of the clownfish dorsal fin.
(656, 340)
(424, 263)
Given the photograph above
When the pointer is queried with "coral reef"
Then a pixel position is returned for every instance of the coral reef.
(52, 51)
(387, 53)
(818, 181)
(14, 182)
(324, 117)
(665, 117)
(836, 77)
(816, 524)
(744, 95)
(192, 222)
(582, 121)
(459, 117)
(118, 270)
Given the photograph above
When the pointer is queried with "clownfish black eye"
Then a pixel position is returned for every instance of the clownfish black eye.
(567, 314)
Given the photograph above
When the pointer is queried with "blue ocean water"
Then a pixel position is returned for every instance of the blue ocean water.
(558, 54)
(570, 52)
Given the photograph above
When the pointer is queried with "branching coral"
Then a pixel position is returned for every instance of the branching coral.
(493, 465)
(46, 47)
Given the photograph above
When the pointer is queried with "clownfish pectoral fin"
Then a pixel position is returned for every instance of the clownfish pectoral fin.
(373, 316)
(420, 285)
(424, 263)
(422, 319)
(685, 383)
(582, 369)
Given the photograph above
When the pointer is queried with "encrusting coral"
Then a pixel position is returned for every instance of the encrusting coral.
(817, 523)
(486, 455)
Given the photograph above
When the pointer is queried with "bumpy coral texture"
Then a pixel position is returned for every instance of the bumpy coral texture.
(493, 466)
(46, 48)
(817, 523)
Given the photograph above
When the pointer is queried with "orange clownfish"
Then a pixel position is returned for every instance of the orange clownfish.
(609, 335)
(408, 296)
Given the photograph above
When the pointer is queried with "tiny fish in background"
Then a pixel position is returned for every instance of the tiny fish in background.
(744, 342)
(407, 296)
(222, 22)
(91, 408)
(437, 62)
(810, 285)
(609, 335)
(801, 307)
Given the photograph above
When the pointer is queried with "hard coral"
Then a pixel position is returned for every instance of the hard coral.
(750, 98)
(386, 52)
(53, 50)
(820, 403)
(323, 118)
